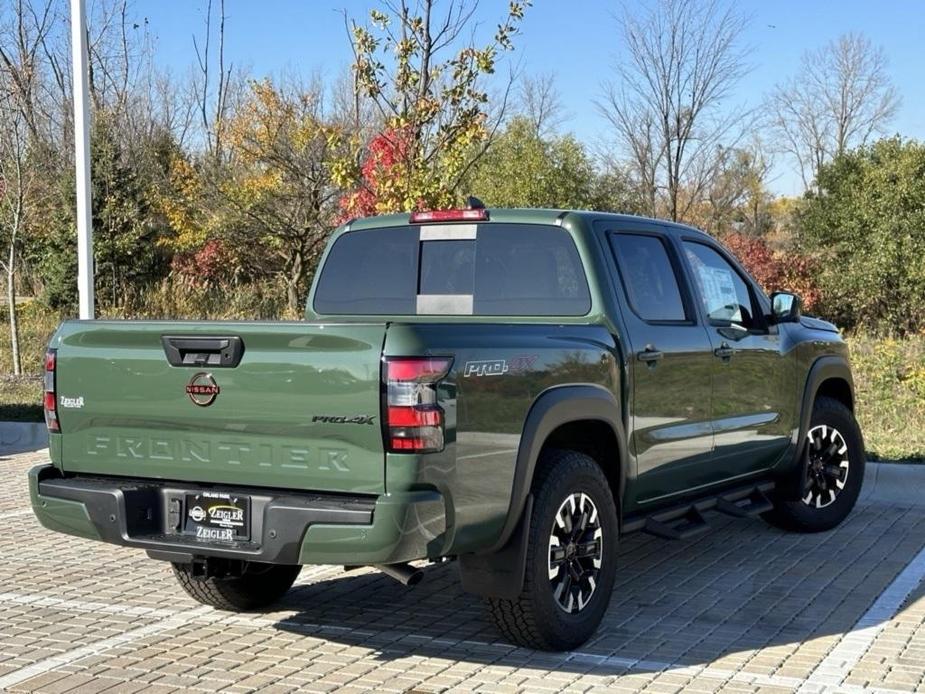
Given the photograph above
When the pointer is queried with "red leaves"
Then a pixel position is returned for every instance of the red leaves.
(383, 171)
(775, 270)
(209, 265)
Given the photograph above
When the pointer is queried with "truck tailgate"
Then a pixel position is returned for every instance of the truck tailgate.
(300, 410)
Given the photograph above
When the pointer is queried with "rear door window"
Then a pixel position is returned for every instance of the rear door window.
(649, 277)
(496, 270)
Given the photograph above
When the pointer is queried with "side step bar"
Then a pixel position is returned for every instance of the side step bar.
(686, 519)
(692, 524)
(754, 505)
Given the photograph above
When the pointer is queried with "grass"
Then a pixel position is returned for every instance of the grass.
(889, 379)
(21, 396)
(21, 399)
(36, 326)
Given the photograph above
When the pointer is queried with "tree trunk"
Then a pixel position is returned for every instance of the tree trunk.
(292, 296)
(296, 275)
(14, 327)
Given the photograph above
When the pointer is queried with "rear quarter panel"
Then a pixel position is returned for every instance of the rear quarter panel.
(497, 373)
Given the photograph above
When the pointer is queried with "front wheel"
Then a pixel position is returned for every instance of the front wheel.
(571, 557)
(258, 586)
(831, 472)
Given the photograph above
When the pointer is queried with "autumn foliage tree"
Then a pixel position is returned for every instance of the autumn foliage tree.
(266, 210)
(427, 85)
(383, 174)
(278, 197)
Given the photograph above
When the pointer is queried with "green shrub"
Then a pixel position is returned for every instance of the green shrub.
(865, 229)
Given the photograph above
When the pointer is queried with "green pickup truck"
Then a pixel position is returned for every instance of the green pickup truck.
(512, 389)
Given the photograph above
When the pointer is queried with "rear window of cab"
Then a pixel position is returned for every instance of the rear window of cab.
(454, 269)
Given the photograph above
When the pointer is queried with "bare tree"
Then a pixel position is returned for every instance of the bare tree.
(21, 40)
(737, 198)
(666, 102)
(541, 103)
(213, 109)
(15, 184)
(24, 28)
(840, 97)
(173, 105)
(351, 109)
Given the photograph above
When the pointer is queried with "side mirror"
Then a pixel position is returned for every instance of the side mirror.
(785, 307)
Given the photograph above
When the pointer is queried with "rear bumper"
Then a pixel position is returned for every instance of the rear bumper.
(287, 528)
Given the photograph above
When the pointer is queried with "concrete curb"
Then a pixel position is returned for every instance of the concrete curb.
(22, 437)
(892, 483)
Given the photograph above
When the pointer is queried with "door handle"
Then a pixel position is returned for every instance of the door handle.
(724, 351)
(650, 355)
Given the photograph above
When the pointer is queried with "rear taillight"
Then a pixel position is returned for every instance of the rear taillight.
(414, 421)
(50, 401)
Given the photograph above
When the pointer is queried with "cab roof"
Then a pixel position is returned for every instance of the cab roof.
(520, 215)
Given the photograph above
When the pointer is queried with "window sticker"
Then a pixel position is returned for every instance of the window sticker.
(719, 293)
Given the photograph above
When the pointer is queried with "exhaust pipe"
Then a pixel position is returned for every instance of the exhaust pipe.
(403, 573)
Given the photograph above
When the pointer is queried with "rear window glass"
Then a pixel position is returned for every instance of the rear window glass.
(505, 270)
(370, 272)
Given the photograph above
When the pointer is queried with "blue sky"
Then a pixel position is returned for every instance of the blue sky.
(576, 40)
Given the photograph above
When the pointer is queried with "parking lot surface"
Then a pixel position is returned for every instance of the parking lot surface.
(743, 608)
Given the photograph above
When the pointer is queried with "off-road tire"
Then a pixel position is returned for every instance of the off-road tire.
(535, 619)
(797, 515)
(261, 585)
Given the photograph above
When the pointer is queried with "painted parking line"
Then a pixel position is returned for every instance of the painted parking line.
(54, 662)
(637, 664)
(875, 618)
(15, 514)
(35, 600)
(839, 662)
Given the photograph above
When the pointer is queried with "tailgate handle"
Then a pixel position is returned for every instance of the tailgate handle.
(215, 352)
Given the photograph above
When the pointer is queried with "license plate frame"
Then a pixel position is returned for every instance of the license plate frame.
(222, 517)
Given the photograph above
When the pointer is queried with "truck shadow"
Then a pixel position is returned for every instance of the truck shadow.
(743, 586)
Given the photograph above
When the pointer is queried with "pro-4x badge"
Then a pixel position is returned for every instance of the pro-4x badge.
(202, 389)
(340, 419)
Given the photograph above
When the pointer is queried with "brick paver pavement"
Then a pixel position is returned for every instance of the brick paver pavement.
(743, 608)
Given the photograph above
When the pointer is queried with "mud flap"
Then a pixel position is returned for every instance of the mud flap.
(499, 574)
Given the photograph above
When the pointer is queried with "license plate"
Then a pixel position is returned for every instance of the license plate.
(218, 517)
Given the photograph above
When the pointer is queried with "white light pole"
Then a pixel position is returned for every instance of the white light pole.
(82, 158)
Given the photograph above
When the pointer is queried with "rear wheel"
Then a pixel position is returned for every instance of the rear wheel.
(571, 557)
(258, 586)
(831, 472)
